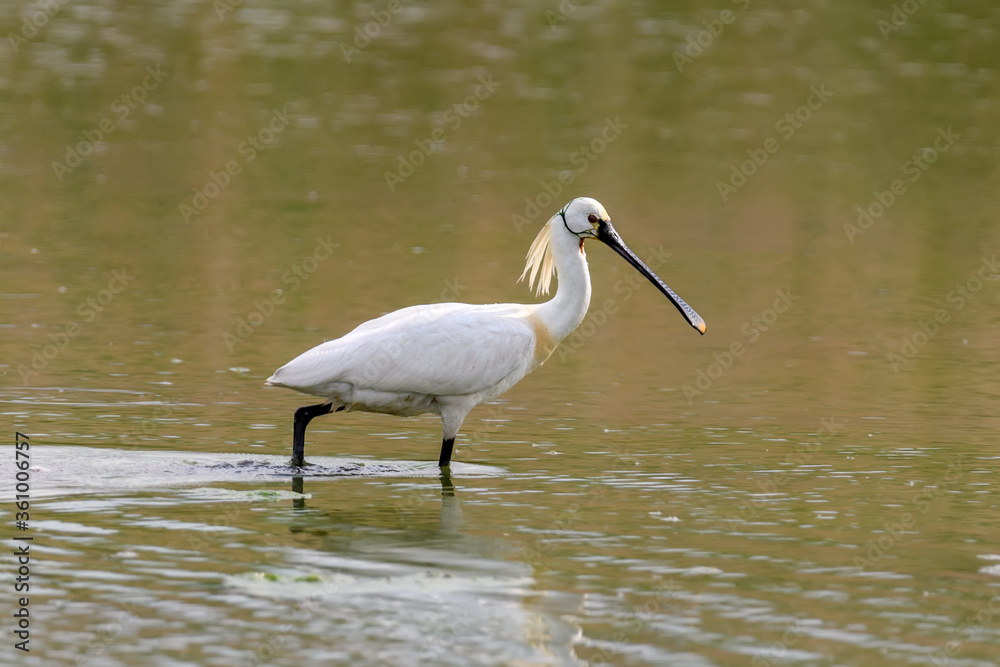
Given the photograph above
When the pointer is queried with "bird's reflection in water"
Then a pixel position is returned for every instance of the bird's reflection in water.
(451, 511)
(384, 555)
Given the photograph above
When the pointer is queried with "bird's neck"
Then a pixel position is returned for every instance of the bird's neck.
(564, 312)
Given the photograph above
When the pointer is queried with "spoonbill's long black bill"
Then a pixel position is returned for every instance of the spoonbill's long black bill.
(607, 234)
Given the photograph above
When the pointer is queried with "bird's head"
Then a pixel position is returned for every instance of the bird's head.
(587, 218)
(584, 216)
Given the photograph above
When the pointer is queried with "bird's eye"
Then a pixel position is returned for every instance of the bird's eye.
(592, 219)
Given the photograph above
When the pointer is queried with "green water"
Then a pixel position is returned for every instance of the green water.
(810, 483)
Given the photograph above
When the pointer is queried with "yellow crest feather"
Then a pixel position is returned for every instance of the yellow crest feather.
(540, 263)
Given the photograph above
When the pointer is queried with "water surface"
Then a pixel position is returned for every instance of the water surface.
(811, 483)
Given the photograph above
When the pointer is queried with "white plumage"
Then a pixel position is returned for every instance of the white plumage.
(447, 358)
(402, 362)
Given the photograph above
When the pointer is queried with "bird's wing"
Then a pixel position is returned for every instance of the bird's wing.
(436, 350)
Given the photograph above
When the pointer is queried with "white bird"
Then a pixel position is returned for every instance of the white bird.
(448, 358)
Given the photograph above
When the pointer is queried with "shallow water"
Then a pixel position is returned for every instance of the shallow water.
(811, 483)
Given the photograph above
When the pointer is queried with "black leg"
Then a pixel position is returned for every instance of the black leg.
(302, 418)
(446, 448)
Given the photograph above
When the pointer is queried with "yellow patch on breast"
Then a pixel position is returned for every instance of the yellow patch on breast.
(545, 344)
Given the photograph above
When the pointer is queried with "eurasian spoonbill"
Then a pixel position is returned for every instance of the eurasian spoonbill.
(447, 358)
